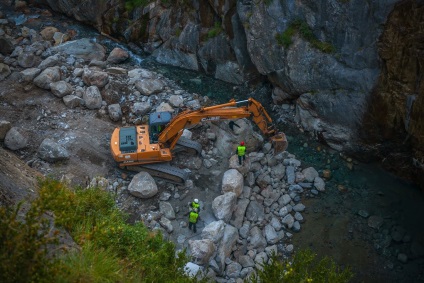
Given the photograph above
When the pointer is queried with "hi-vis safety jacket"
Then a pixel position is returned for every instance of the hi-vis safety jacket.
(193, 217)
(241, 150)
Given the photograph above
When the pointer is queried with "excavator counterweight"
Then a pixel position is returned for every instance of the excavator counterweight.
(154, 144)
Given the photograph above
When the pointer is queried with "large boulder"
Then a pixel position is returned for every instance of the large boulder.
(82, 48)
(201, 250)
(214, 231)
(51, 151)
(232, 181)
(149, 86)
(224, 205)
(143, 186)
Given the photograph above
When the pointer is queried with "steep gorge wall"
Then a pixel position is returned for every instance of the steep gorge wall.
(321, 54)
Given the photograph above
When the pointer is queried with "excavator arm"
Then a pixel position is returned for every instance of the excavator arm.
(249, 108)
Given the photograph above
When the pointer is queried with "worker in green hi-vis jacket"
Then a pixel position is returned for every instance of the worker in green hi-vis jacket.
(192, 219)
(241, 152)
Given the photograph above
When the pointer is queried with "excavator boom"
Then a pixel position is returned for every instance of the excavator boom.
(136, 146)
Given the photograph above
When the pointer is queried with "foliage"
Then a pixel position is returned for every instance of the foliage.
(132, 4)
(215, 31)
(111, 249)
(304, 267)
(268, 2)
(285, 38)
(23, 246)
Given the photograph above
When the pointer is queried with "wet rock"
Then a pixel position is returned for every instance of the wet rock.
(319, 184)
(296, 226)
(363, 213)
(143, 186)
(117, 56)
(14, 140)
(92, 98)
(48, 76)
(310, 174)
(61, 88)
(149, 86)
(375, 221)
(51, 151)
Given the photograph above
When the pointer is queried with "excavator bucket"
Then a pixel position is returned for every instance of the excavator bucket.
(279, 142)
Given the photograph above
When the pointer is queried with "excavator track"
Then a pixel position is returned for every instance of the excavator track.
(187, 145)
(163, 171)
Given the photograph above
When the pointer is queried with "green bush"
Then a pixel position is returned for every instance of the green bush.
(215, 31)
(285, 38)
(111, 249)
(132, 4)
(304, 267)
(23, 246)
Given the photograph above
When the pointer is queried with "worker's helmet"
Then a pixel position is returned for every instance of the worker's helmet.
(242, 143)
(196, 200)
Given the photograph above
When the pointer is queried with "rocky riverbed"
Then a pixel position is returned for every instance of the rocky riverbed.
(62, 96)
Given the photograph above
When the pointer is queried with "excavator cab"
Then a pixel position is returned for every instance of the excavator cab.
(157, 122)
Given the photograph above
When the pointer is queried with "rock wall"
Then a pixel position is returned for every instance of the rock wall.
(322, 55)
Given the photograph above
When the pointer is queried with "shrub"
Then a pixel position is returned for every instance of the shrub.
(215, 31)
(285, 38)
(111, 249)
(304, 267)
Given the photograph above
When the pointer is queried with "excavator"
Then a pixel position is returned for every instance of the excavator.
(150, 147)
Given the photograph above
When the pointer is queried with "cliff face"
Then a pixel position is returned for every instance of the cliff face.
(353, 68)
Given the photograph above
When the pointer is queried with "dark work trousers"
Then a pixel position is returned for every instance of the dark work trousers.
(190, 224)
(243, 157)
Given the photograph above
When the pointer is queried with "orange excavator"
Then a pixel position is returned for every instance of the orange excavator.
(150, 147)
